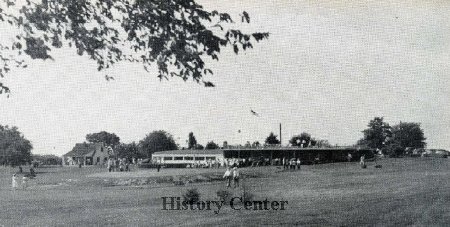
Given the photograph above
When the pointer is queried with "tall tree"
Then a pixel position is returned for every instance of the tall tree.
(14, 148)
(408, 134)
(313, 142)
(272, 139)
(256, 144)
(129, 151)
(377, 134)
(157, 141)
(110, 139)
(302, 140)
(192, 142)
(176, 36)
(211, 145)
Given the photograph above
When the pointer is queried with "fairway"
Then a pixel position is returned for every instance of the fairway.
(403, 192)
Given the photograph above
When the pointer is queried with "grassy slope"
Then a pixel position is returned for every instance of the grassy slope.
(403, 192)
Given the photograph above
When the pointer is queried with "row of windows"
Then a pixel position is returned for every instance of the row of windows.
(178, 158)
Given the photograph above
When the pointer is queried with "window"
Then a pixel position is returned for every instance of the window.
(199, 158)
(178, 158)
(98, 159)
(168, 158)
(210, 158)
(188, 158)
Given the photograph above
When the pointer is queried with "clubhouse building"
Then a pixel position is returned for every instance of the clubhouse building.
(86, 154)
(272, 155)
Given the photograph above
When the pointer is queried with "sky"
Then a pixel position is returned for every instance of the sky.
(328, 68)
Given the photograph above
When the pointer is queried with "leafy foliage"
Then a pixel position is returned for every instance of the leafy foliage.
(302, 140)
(323, 143)
(192, 142)
(176, 36)
(14, 148)
(129, 151)
(157, 141)
(272, 139)
(408, 134)
(199, 147)
(211, 145)
(256, 144)
(110, 139)
(48, 159)
(191, 196)
(224, 195)
(377, 134)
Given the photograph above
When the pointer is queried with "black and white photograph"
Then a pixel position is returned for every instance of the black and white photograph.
(224, 113)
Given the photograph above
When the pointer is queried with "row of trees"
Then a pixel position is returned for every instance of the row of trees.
(153, 142)
(303, 139)
(162, 140)
(15, 149)
(392, 140)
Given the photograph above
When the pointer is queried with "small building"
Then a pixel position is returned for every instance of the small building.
(86, 154)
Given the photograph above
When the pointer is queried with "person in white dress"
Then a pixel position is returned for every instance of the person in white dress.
(25, 182)
(228, 177)
(14, 182)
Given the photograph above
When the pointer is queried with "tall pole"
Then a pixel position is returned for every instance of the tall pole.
(281, 141)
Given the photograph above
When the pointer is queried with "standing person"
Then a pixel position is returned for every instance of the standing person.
(236, 177)
(228, 176)
(127, 165)
(117, 165)
(32, 172)
(362, 162)
(24, 182)
(349, 157)
(14, 182)
(158, 167)
(108, 165)
(121, 165)
(298, 163)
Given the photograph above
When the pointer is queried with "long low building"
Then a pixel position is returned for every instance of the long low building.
(306, 155)
(183, 158)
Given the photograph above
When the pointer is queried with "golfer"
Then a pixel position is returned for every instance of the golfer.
(236, 176)
(228, 176)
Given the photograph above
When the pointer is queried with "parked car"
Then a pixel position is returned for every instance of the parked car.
(438, 153)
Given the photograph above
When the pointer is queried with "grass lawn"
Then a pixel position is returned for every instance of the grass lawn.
(403, 192)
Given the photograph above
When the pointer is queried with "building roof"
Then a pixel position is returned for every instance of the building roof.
(82, 149)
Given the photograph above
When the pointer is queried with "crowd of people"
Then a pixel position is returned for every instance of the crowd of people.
(118, 164)
(291, 163)
(232, 175)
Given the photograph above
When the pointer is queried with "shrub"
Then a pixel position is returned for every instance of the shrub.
(224, 195)
(179, 182)
(192, 195)
(162, 180)
(247, 196)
